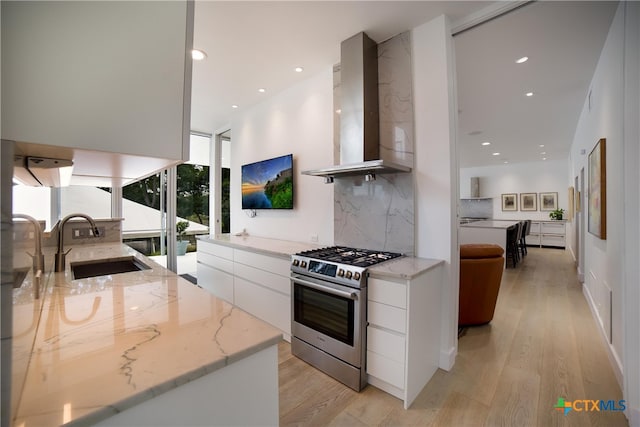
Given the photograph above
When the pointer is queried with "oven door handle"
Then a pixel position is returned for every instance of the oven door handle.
(337, 292)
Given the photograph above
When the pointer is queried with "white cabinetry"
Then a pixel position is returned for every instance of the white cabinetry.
(76, 78)
(403, 334)
(547, 233)
(262, 287)
(257, 283)
(215, 269)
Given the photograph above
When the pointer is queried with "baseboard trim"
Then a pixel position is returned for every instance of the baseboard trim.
(447, 359)
(614, 360)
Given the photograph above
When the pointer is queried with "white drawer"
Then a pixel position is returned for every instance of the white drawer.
(214, 249)
(535, 228)
(270, 306)
(386, 316)
(216, 282)
(533, 239)
(263, 278)
(552, 240)
(388, 344)
(214, 261)
(552, 228)
(273, 264)
(385, 369)
(386, 292)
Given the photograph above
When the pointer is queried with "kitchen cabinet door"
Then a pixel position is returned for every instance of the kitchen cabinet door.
(99, 77)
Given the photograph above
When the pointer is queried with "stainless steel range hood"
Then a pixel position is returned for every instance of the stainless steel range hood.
(359, 117)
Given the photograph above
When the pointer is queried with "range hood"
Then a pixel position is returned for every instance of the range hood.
(359, 116)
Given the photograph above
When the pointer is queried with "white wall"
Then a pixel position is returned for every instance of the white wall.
(299, 121)
(436, 166)
(602, 117)
(631, 288)
(535, 177)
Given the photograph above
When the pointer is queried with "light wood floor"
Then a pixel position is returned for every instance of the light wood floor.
(542, 344)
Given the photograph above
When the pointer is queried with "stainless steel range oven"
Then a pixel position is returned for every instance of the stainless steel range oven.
(329, 310)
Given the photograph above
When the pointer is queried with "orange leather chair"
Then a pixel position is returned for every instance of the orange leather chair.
(481, 267)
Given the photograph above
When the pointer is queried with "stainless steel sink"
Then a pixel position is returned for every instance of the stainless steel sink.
(105, 267)
(18, 276)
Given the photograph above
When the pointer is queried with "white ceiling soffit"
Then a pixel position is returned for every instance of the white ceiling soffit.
(563, 41)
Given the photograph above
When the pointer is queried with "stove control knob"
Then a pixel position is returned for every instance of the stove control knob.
(303, 264)
(295, 262)
(349, 274)
(356, 276)
(340, 273)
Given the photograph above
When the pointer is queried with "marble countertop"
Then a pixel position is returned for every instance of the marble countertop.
(104, 344)
(502, 224)
(403, 268)
(268, 246)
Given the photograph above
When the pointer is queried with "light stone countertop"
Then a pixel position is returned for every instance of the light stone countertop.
(500, 224)
(274, 247)
(107, 343)
(402, 268)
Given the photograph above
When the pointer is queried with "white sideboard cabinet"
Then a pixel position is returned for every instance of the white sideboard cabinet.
(547, 233)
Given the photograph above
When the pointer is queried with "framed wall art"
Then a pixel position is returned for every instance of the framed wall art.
(571, 195)
(548, 201)
(597, 204)
(528, 201)
(510, 202)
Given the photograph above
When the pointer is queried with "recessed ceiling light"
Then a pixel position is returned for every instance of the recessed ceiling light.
(338, 111)
(529, 93)
(261, 90)
(198, 54)
(522, 60)
(234, 106)
(496, 154)
(544, 158)
(298, 69)
(486, 143)
(541, 145)
(543, 152)
(505, 162)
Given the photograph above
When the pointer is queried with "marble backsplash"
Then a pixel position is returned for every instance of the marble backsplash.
(476, 208)
(380, 214)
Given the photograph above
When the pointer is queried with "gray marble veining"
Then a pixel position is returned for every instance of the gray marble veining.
(395, 100)
(380, 214)
(476, 208)
(375, 215)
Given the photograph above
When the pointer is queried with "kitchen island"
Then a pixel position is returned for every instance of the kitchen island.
(489, 231)
(140, 348)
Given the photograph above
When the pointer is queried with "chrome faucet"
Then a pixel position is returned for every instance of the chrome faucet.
(61, 254)
(38, 256)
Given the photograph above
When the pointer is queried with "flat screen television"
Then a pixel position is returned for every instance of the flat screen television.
(268, 184)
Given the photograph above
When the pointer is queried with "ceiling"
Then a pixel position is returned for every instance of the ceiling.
(252, 45)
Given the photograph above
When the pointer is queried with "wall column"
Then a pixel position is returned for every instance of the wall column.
(436, 166)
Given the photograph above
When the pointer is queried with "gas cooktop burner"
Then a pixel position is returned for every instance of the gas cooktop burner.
(350, 256)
